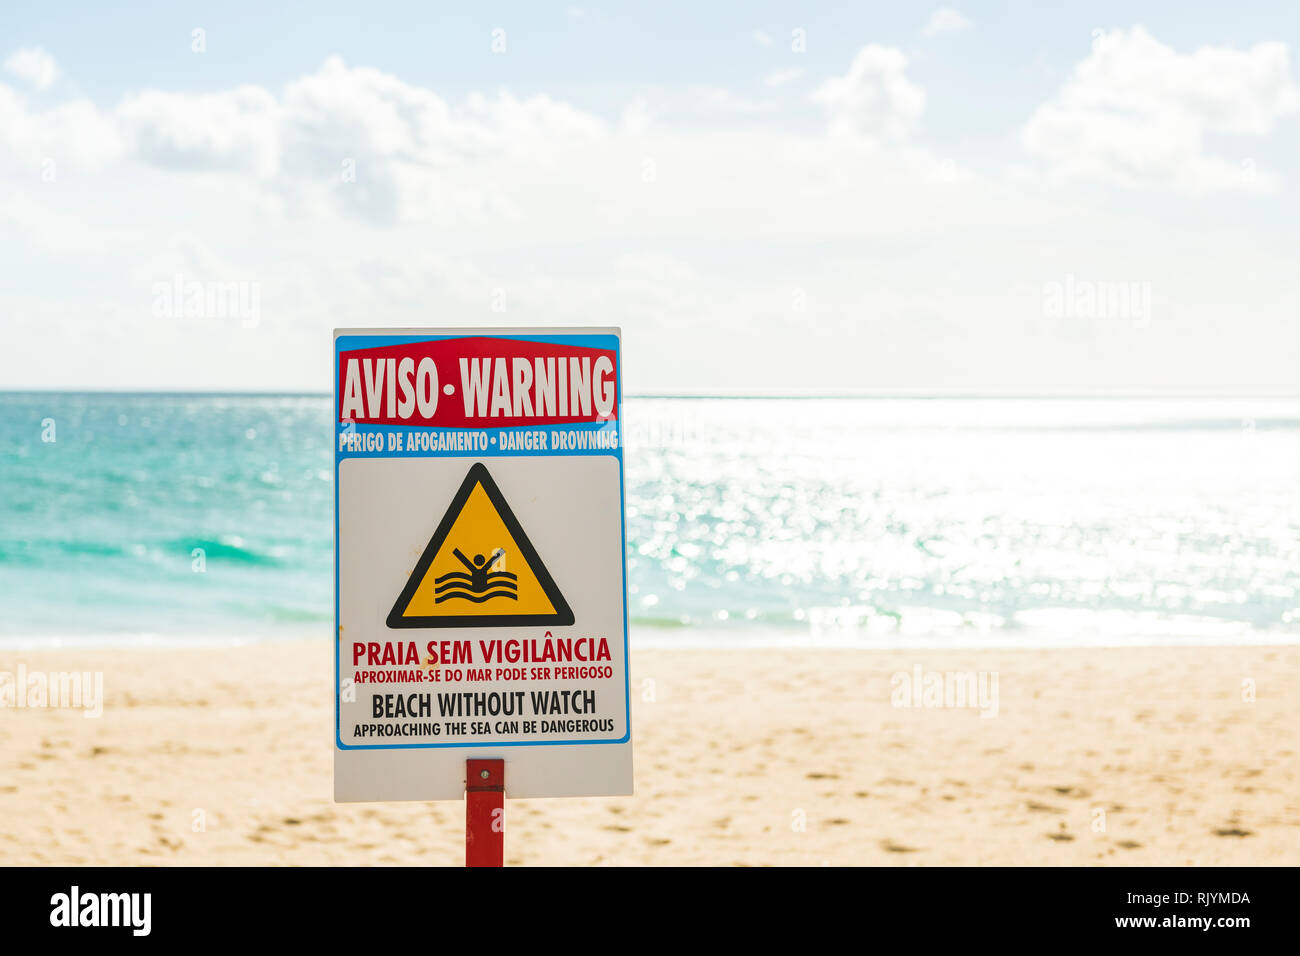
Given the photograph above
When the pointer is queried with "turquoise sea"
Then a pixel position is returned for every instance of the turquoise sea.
(139, 518)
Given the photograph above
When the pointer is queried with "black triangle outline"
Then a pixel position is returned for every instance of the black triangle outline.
(478, 475)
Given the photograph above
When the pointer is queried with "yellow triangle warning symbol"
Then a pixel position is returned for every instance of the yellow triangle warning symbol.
(479, 569)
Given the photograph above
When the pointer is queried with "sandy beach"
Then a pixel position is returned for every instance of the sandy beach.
(743, 757)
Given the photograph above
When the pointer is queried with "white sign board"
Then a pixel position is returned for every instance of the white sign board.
(480, 579)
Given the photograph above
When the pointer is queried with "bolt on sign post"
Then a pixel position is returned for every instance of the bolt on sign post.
(480, 580)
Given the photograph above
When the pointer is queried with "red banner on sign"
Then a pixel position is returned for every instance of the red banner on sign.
(477, 382)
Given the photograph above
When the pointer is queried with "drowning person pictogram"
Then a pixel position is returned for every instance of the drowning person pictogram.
(480, 584)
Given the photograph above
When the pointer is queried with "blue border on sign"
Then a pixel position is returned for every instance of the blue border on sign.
(600, 341)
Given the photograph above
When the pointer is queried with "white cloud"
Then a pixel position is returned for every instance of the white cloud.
(398, 142)
(236, 130)
(638, 116)
(762, 38)
(783, 77)
(874, 99)
(1136, 113)
(34, 66)
(946, 20)
(50, 229)
(694, 236)
(74, 135)
(568, 214)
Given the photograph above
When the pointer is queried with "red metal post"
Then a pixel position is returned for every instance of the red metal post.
(485, 812)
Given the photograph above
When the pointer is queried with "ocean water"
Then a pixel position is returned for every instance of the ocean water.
(875, 522)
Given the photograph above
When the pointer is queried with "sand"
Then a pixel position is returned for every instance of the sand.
(747, 757)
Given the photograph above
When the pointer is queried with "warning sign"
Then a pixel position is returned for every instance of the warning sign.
(504, 584)
(480, 571)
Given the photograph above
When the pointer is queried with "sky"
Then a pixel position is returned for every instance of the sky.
(985, 198)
